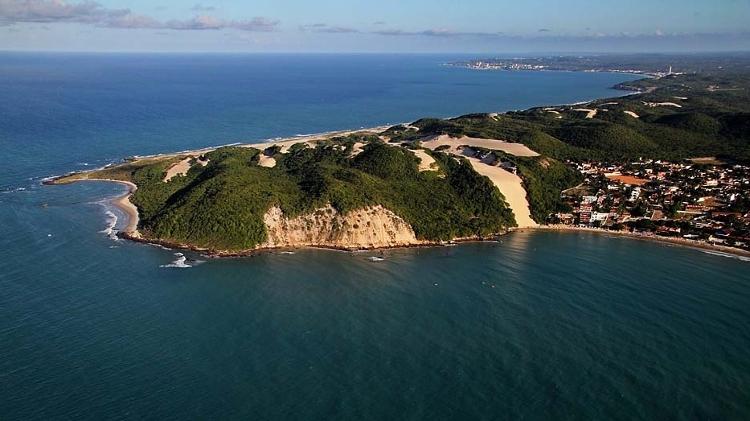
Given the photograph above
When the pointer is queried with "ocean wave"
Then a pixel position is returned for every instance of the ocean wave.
(729, 255)
(110, 231)
(13, 190)
(181, 262)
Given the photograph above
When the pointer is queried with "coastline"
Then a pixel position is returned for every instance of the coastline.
(128, 208)
(121, 202)
(130, 232)
(261, 144)
(677, 241)
(209, 253)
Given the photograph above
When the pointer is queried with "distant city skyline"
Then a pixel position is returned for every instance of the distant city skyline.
(440, 26)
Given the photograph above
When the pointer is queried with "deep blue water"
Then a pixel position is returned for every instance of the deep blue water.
(541, 325)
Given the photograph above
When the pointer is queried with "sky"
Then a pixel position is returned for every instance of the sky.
(398, 26)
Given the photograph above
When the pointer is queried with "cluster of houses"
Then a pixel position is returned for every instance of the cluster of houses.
(500, 65)
(706, 202)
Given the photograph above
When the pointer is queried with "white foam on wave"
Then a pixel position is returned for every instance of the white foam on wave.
(110, 231)
(9, 190)
(375, 259)
(729, 255)
(181, 262)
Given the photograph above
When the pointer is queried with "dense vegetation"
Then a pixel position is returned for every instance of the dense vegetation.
(544, 179)
(712, 119)
(221, 206)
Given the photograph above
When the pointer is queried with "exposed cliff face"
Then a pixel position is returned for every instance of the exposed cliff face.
(370, 227)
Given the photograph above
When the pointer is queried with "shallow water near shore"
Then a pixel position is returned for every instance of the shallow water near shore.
(539, 325)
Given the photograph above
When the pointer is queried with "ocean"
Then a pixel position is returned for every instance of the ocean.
(541, 325)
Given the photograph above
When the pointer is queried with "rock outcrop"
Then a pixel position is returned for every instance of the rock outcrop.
(371, 227)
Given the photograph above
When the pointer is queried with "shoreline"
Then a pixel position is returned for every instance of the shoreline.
(121, 202)
(303, 138)
(128, 208)
(130, 232)
(676, 241)
(214, 254)
(265, 143)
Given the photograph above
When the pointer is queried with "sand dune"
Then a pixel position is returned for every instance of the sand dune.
(511, 186)
(182, 167)
(517, 149)
(590, 112)
(267, 161)
(426, 161)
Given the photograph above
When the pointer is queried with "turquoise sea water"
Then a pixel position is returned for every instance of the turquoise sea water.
(540, 325)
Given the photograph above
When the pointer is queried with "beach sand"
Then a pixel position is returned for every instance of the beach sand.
(124, 204)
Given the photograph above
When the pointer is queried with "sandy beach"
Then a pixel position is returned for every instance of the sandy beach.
(126, 206)
(284, 143)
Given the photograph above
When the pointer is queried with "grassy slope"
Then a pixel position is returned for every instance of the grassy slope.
(221, 206)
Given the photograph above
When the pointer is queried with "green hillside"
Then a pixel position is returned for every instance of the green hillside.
(221, 206)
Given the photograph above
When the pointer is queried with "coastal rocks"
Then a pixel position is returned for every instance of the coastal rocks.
(371, 227)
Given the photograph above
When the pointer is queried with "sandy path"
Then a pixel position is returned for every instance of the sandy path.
(426, 162)
(632, 114)
(590, 112)
(180, 168)
(517, 149)
(662, 104)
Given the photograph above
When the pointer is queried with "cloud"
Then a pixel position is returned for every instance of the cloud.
(325, 28)
(201, 8)
(42, 11)
(90, 12)
(132, 21)
(544, 30)
(379, 22)
(435, 33)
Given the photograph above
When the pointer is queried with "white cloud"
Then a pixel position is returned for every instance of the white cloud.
(90, 12)
(325, 28)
